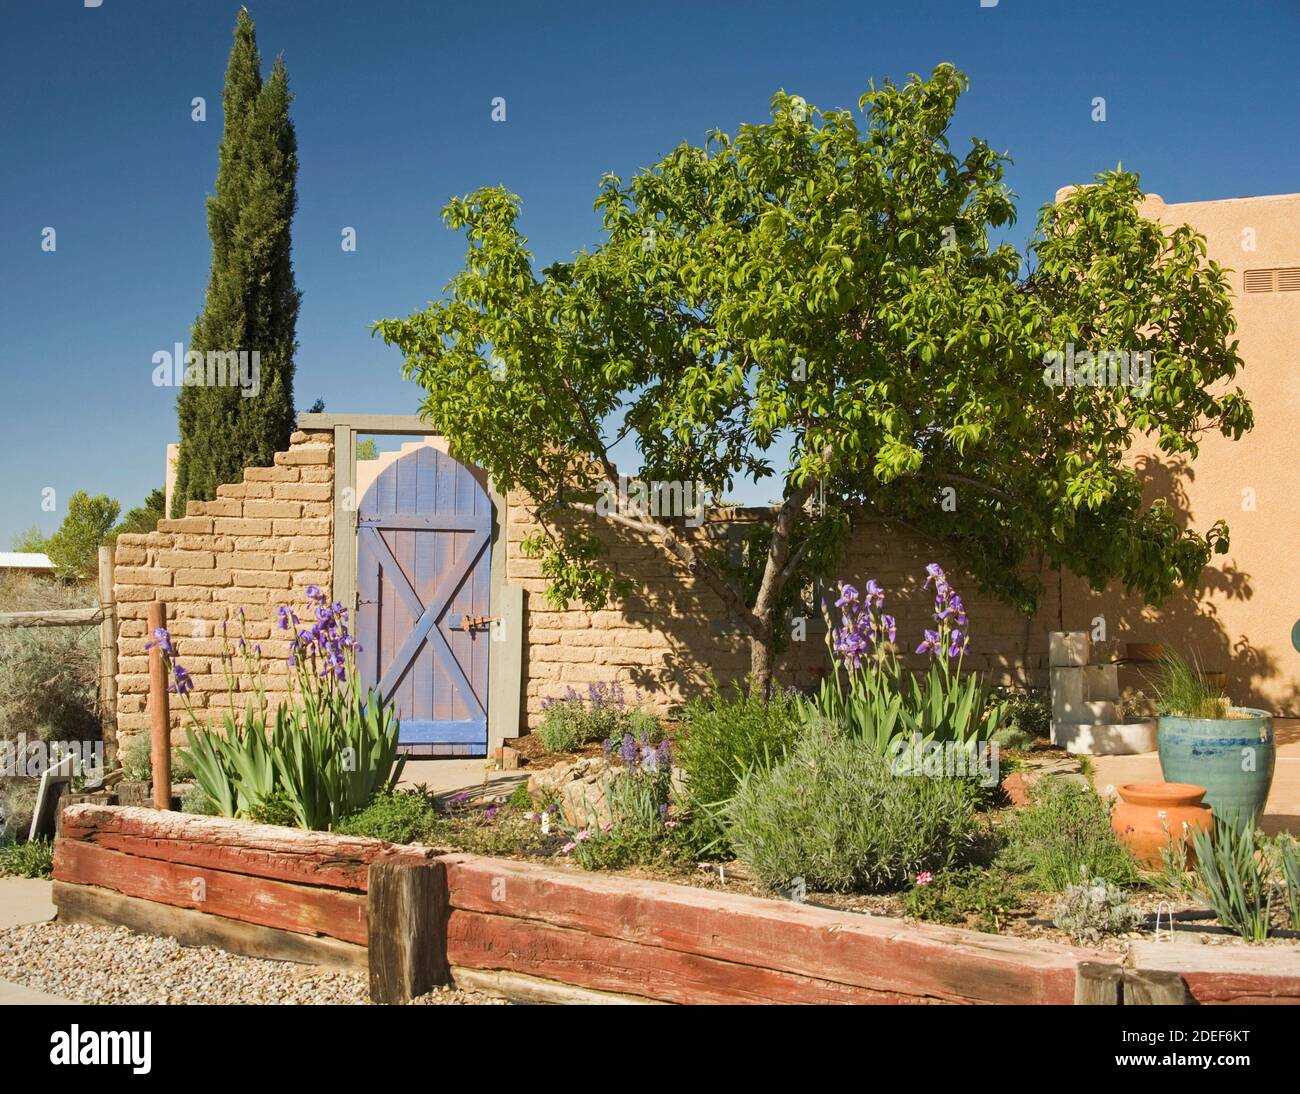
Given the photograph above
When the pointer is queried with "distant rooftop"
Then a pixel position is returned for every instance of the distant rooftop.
(25, 560)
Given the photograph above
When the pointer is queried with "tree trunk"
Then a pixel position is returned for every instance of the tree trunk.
(761, 657)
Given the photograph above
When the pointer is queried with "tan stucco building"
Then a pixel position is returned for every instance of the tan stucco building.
(1241, 620)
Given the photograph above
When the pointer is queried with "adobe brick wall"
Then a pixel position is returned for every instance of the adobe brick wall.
(664, 640)
(259, 544)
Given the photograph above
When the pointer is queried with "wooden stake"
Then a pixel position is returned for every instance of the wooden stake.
(107, 653)
(159, 714)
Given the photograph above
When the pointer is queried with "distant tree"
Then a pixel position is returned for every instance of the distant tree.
(318, 407)
(88, 525)
(251, 302)
(31, 541)
(366, 450)
(144, 518)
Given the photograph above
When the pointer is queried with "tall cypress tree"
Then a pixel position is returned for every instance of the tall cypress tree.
(251, 301)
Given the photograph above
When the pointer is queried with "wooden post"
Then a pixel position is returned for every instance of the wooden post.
(406, 929)
(107, 653)
(159, 714)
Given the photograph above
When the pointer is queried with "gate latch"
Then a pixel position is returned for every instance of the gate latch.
(469, 622)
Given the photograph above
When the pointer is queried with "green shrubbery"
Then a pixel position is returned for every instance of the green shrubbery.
(573, 721)
(327, 752)
(32, 859)
(49, 676)
(723, 737)
(833, 814)
(1063, 837)
(399, 816)
(985, 894)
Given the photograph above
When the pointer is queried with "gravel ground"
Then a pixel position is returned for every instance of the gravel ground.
(114, 965)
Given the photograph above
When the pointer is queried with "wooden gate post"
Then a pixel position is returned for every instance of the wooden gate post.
(159, 713)
(406, 929)
(107, 654)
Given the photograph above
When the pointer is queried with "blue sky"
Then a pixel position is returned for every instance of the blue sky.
(393, 117)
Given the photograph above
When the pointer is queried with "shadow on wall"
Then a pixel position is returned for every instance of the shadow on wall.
(673, 634)
(1194, 622)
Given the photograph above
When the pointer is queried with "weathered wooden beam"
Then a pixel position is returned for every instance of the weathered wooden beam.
(53, 617)
(279, 904)
(923, 962)
(520, 988)
(1098, 984)
(241, 847)
(406, 916)
(160, 727)
(106, 908)
(501, 942)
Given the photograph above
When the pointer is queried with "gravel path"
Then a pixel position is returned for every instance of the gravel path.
(114, 965)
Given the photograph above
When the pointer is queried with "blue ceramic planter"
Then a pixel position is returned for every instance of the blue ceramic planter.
(1231, 757)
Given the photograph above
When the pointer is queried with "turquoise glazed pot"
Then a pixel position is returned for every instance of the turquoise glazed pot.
(1231, 757)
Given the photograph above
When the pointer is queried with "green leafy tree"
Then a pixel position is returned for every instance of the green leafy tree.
(826, 296)
(144, 518)
(367, 450)
(74, 548)
(251, 302)
(31, 540)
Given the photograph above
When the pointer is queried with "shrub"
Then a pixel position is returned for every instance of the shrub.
(137, 761)
(955, 896)
(834, 815)
(1065, 835)
(1232, 878)
(34, 859)
(637, 796)
(17, 803)
(1092, 910)
(723, 737)
(49, 676)
(194, 799)
(1026, 715)
(520, 798)
(569, 723)
(400, 816)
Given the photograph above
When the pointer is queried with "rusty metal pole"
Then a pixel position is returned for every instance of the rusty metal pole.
(159, 714)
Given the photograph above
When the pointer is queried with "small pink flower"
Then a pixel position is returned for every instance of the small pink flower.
(608, 826)
(583, 835)
(670, 824)
(568, 847)
(924, 877)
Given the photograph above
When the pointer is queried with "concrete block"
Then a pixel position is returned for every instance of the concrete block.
(1068, 649)
(1117, 739)
(1067, 693)
(1101, 682)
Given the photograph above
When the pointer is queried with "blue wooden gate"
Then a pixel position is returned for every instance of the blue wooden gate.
(424, 531)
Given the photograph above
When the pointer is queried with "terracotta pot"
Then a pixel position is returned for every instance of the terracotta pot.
(1150, 814)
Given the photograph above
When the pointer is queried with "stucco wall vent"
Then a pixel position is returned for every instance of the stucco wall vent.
(1286, 279)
